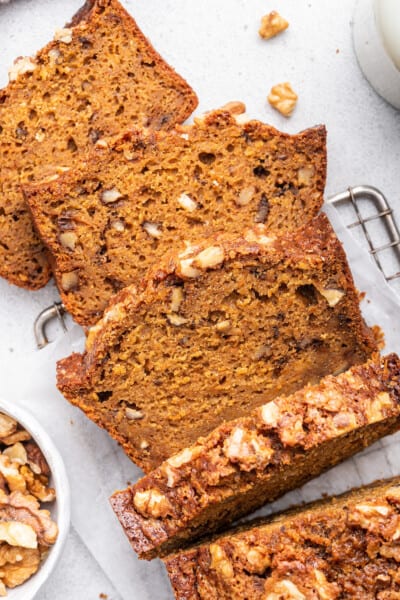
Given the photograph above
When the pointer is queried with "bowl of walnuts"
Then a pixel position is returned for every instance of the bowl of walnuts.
(34, 503)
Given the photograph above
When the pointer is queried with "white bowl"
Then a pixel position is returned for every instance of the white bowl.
(60, 509)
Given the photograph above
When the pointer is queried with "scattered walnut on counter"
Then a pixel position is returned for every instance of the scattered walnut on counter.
(272, 24)
(283, 98)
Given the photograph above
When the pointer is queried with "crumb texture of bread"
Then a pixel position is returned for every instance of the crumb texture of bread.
(245, 463)
(107, 221)
(214, 332)
(345, 547)
(97, 77)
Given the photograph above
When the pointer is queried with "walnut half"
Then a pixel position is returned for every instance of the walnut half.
(283, 98)
(271, 25)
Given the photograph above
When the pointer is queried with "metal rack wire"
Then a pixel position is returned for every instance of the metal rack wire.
(373, 219)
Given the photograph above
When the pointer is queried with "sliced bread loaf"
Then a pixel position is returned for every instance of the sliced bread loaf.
(97, 77)
(214, 332)
(245, 463)
(345, 547)
(117, 213)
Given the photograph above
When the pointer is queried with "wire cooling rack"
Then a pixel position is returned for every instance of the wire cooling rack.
(365, 211)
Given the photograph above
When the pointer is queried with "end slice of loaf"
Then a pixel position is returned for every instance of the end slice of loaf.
(98, 76)
(214, 332)
(344, 547)
(245, 463)
(117, 214)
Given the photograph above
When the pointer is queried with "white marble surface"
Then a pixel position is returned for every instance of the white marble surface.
(214, 44)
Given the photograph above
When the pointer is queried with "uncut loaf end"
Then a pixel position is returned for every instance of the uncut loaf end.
(344, 547)
(248, 462)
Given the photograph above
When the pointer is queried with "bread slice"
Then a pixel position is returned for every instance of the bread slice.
(214, 332)
(118, 213)
(344, 547)
(99, 76)
(245, 463)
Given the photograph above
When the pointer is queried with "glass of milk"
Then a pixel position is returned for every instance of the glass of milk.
(376, 34)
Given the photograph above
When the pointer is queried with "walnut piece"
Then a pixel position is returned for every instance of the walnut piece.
(220, 561)
(210, 257)
(110, 196)
(187, 202)
(152, 229)
(63, 35)
(36, 459)
(305, 175)
(283, 98)
(246, 195)
(11, 474)
(133, 414)
(19, 436)
(177, 297)
(176, 320)
(272, 24)
(248, 449)
(152, 503)
(187, 270)
(270, 414)
(285, 590)
(8, 425)
(235, 107)
(16, 533)
(16, 453)
(69, 280)
(68, 240)
(17, 564)
(332, 296)
(23, 64)
(25, 508)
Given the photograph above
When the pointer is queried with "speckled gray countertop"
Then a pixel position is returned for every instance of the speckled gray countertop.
(215, 45)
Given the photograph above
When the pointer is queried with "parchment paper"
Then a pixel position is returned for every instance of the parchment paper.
(97, 466)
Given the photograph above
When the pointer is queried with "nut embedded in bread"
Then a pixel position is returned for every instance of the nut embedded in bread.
(131, 202)
(245, 463)
(345, 547)
(214, 332)
(97, 77)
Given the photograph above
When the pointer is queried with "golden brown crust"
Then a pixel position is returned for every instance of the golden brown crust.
(216, 175)
(251, 320)
(207, 485)
(64, 99)
(345, 547)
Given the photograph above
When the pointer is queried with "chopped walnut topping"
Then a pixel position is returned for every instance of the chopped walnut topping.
(182, 458)
(23, 64)
(332, 296)
(152, 503)
(63, 35)
(325, 589)
(291, 429)
(187, 202)
(376, 409)
(220, 561)
(242, 119)
(152, 229)
(285, 590)
(210, 257)
(392, 551)
(246, 195)
(272, 24)
(270, 414)
(248, 449)
(283, 98)
(110, 196)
